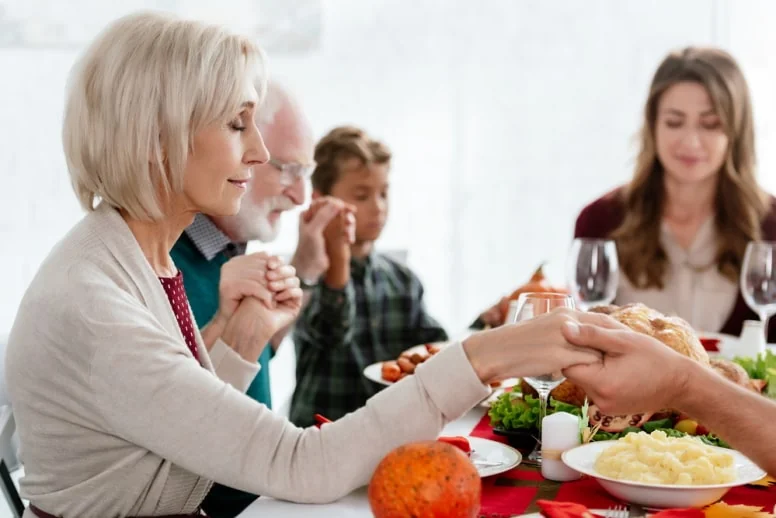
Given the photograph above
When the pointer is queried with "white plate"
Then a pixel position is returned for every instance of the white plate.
(582, 459)
(374, 372)
(499, 457)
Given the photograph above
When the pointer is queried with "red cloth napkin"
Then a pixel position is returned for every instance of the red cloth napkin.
(501, 497)
(572, 510)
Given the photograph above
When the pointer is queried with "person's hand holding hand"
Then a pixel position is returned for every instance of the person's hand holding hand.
(638, 373)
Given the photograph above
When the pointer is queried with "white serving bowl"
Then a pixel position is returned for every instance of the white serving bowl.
(582, 459)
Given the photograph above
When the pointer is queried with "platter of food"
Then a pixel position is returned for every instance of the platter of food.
(515, 414)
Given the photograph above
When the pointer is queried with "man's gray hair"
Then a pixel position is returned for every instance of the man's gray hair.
(274, 99)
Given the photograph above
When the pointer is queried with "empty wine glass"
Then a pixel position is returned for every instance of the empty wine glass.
(593, 272)
(531, 305)
(758, 280)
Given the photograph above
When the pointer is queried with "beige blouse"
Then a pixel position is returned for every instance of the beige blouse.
(117, 419)
(694, 288)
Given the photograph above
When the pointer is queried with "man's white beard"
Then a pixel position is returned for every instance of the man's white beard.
(253, 219)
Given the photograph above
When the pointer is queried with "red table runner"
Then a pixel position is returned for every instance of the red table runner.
(516, 491)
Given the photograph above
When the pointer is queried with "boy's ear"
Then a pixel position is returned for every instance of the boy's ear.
(316, 194)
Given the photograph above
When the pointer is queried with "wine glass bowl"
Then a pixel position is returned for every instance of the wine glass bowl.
(593, 272)
(758, 279)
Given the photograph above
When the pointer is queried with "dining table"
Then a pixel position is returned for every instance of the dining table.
(509, 494)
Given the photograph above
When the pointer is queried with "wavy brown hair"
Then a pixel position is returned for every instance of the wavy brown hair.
(343, 144)
(740, 204)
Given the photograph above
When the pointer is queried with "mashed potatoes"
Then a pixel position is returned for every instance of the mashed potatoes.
(659, 459)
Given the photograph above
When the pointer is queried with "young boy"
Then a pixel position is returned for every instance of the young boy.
(366, 307)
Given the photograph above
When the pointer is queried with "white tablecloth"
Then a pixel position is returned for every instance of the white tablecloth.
(355, 505)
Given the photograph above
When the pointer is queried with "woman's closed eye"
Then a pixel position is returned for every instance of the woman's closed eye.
(237, 125)
(239, 122)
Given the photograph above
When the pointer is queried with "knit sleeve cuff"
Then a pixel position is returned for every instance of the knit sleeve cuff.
(231, 367)
(452, 365)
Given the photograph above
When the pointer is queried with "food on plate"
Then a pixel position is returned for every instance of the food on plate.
(762, 371)
(566, 392)
(405, 364)
(723, 510)
(430, 478)
(616, 423)
(514, 411)
(408, 361)
(734, 372)
(657, 458)
(674, 332)
(536, 284)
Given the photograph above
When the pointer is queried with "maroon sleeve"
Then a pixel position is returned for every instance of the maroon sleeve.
(602, 217)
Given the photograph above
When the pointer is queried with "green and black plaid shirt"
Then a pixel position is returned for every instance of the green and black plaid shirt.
(379, 314)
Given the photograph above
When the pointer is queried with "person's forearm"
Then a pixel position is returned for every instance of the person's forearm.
(741, 417)
(249, 345)
(479, 348)
(338, 274)
(213, 331)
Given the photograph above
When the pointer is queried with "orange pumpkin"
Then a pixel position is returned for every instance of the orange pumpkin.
(429, 479)
(537, 284)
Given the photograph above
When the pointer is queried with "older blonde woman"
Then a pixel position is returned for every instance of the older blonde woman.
(123, 408)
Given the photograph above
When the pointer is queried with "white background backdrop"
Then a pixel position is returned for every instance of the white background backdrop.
(505, 118)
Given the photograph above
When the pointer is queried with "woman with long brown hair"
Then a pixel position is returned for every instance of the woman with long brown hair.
(683, 222)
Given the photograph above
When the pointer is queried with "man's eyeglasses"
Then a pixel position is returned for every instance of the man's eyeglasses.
(290, 172)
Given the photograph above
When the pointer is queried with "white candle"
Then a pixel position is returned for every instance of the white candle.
(560, 432)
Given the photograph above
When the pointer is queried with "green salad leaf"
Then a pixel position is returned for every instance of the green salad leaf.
(761, 368)
(511, 411)
(661, 424)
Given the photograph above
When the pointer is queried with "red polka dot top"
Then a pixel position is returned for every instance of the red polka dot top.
(176, 294)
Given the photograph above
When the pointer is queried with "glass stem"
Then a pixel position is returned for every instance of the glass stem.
(544, 396)
(764, 318)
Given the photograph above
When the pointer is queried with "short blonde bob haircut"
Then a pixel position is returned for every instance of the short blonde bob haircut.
(136, 98)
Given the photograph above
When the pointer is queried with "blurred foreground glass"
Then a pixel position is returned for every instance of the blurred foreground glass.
(531, 305)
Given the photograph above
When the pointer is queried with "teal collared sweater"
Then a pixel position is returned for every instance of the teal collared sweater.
(201, 278)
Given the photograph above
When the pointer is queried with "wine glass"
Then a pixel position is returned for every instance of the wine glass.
(758, 280)
(532, 305)
(593, 272)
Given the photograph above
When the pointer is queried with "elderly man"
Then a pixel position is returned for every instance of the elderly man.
(208, 243)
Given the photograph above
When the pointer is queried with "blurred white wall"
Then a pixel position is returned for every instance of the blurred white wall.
(505, 118)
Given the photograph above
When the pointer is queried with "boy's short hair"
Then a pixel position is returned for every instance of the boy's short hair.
(343, 144)
(136, 98)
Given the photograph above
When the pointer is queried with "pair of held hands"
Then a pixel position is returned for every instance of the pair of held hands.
(259, 294)
(621, 370)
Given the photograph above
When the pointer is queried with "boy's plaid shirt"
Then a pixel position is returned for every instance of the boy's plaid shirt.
(379, 314)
